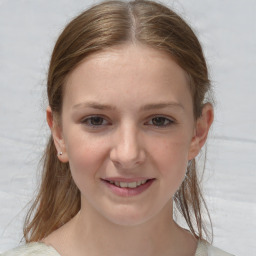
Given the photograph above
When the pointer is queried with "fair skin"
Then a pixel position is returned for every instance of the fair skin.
(127, 117)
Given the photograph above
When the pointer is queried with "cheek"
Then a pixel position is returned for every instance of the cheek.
(173, 150)
(171, 161)
(86, 155)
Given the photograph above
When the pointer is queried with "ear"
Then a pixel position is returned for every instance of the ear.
(202, 126)
(57, 135)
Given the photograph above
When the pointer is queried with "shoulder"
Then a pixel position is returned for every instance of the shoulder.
(206, 249)
(32, 249)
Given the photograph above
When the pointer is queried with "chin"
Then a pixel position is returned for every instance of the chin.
(128, 217)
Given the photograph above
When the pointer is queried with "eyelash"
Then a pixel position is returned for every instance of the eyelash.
(88, 121)
(165, 119)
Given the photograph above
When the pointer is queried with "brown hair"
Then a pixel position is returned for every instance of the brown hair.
(104, 25)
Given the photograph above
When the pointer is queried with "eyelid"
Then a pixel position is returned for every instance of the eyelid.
(106, 122)
(87, 118)
(171, 121)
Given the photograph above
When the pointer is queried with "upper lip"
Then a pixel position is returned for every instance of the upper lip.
(121, 179)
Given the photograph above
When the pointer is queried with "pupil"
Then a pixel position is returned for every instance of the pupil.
(96, 120)
(158, 121)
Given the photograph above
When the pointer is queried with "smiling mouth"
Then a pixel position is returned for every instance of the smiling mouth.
(133, 184)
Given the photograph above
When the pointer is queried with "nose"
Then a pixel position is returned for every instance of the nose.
(127, 151)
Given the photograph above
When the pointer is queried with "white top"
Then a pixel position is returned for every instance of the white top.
(41, 249)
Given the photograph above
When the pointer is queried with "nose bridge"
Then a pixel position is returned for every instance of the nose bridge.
(128, 150)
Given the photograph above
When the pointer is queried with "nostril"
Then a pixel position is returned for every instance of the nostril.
(127, 154)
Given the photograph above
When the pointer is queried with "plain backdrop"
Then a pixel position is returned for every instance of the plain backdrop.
(227, 30)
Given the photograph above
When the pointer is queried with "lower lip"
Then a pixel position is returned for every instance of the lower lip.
(127, 192)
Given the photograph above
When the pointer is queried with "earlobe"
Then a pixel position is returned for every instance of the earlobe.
(57, 136)
(202, 127)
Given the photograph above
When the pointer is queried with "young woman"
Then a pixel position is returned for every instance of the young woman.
(127, 88)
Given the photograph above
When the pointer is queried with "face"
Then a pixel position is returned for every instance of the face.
(127, 131)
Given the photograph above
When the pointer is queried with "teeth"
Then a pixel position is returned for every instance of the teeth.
(128, 184)
(138, 183)
(123, 185)
(132, 185)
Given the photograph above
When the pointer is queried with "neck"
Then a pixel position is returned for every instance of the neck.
(89, 233)
(98, 236)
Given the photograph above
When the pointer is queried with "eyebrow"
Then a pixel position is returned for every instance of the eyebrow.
(161, 105)
(94, 105)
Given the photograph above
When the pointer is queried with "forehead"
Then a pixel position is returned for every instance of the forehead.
(133, 55)
(131, 69)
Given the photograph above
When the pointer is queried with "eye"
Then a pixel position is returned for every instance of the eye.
(95, 121)
(160, 121)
